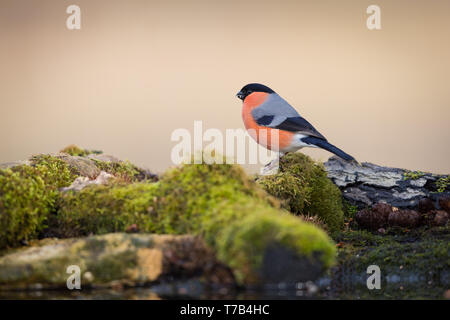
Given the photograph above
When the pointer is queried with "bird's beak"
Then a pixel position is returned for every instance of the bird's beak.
(240, 95)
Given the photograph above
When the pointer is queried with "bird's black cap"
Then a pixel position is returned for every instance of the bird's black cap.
(253, 87)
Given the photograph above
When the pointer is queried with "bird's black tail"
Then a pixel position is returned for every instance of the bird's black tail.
(328, 146)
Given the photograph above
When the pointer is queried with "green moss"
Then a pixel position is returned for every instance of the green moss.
(27, 197)
(361, 238)
(349, 209)
(104, 209)
(243, 243)
(415, 251)
(55, 172)
(304, 188)
(74, 150)
(113, 267)
(413, 175)
(195, 191)
(415, 255)
(442, 184)
(219, 202)
(24, 204)
(413, 264)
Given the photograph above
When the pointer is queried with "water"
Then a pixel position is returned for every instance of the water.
(347, 285)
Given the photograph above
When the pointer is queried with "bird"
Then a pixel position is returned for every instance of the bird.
(263, 111)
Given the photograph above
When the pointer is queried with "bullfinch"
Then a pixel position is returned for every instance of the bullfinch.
(264, 109)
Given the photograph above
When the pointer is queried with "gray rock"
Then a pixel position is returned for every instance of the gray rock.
(347, 173)
(367, 184)
(13, 164)
(104, 157)
(83, 166)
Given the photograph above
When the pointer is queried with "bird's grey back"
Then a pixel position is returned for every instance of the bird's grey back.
(277, 107)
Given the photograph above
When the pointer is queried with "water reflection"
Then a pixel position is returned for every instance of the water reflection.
(346, 286)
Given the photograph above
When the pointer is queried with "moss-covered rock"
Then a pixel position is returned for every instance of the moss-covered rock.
(29, 189)
(304, 188)
(27, 196)
(89, 163)
(219, 202)
(234, 215)
(125, 170)
(111, 259)
(55, 172)
(79, 166)
(104, 209)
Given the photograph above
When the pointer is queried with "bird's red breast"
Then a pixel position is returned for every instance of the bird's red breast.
(251, 102)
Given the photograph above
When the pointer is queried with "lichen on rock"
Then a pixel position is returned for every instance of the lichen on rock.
(367, 184)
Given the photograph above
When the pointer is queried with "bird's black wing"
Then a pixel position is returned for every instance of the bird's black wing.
(293, 124)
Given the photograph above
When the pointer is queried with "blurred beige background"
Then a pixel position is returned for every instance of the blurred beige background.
(137, 70)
